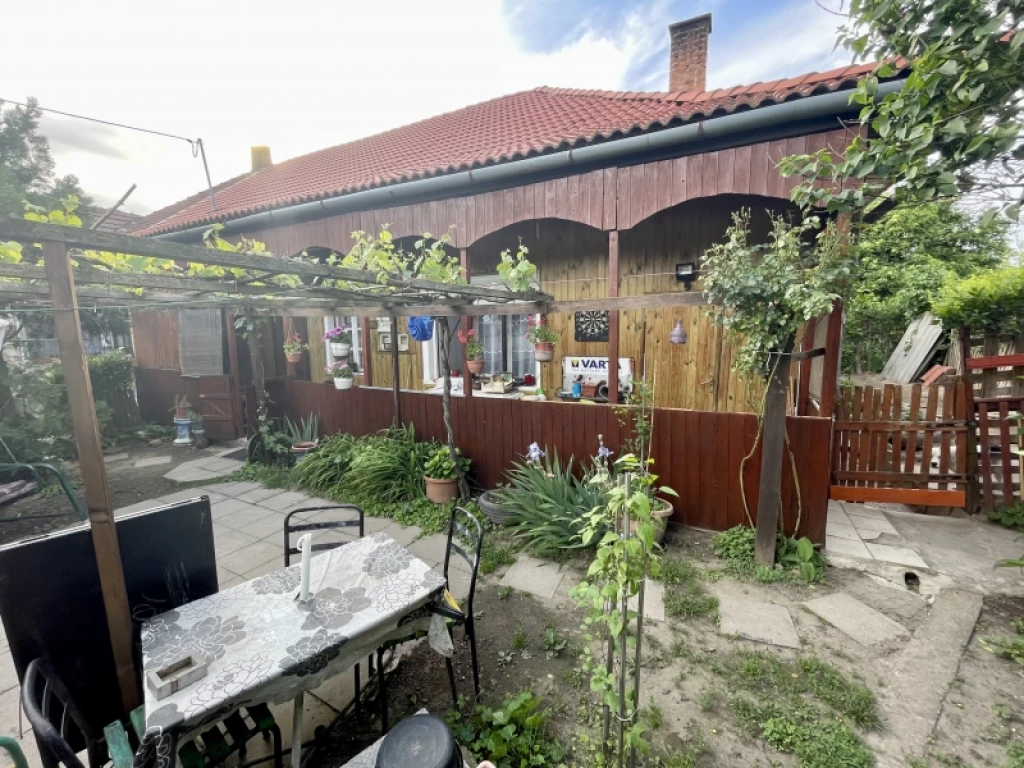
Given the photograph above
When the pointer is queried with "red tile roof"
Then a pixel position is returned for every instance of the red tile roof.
(507, 128)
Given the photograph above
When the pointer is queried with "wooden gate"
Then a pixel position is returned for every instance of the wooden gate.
(995, 370)
(886, 448)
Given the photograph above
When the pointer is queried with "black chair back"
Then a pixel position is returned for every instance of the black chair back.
(469, 530)
(59, 726)
(353, 519)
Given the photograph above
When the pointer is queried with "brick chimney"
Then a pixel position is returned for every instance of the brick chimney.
(260, 158)
(688, 56)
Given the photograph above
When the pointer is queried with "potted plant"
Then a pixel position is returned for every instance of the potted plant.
(543, 338)
(474, 351)
(340, 339)
(342, 373)
(293, 347)
(303, 435)
(441, 475)
(198, 430)
(182, 407)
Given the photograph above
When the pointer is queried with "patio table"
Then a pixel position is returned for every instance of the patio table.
(262, 645)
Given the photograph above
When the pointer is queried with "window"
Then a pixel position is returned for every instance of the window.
(356, 354)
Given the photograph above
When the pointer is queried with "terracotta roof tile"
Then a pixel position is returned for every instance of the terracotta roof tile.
(504, 129)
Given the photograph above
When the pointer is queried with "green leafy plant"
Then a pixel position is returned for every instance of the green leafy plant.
(441, 465)
(1011, 516)
(801, 556)
(1008, 647)
(474, 348)
(547, 503)
(326, 467)
(389, 467)
(541, 333)
(294, 343)
(268, 445)
(989, 301)
(554, 643)
(341, 370)
(735, 544)
(519, 638)
(515, 270)
(794, 556)
(305, 431)
(513, 735)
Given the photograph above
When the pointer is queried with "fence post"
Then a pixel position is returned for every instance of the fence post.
(613, 320)
(972, 486)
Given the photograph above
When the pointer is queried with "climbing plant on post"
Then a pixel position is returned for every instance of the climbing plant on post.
(761, 294)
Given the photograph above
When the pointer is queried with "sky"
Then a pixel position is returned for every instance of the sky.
(307, 74)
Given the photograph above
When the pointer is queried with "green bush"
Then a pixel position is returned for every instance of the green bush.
(547, 503)
(441, 466)
(326, 467)
(1011, 517)
(990, 301)
(511, 736)
(735, 544)
(389, 466)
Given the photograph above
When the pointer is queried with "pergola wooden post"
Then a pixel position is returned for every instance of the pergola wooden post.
(396, 383)
(467, 326)
(773, 446)
(61, 284)
(364, 328)
(613, 318)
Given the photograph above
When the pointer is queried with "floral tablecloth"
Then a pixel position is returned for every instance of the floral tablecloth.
(262, 645)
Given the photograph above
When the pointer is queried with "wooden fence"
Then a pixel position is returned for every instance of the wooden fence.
(211, 396)
(886, 449)
(697, 453)
(994, 366)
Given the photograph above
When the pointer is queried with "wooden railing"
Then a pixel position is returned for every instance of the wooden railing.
(697, 453)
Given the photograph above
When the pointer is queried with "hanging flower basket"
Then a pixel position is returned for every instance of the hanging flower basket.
(543, 351)
(543, 338)
(340, 339)
(293, 357)
(293, 348)
(475, 366)
(340, 349)
(343, 374)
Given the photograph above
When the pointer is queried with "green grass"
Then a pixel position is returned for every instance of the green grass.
(685, 596)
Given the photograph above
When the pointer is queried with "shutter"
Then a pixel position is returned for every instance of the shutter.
(200, 342)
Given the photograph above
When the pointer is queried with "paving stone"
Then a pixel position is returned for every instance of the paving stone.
(458, 584)
(897, 555)
(404, 536)
(242, 518)
(861, 622)
(152, 461)
(338, 690)
(222, 465)
(245, 559)
(430, 549)
(229, 506)
(275, 563)
(184, 474)
(863, 510)
(270, 527)
(895, 602)
(376, 524)
(114, 457)
(256, 495)
(836, 514)
(226, 541)
(283, 501)
(538, 577)
(235, 488)
(842, 531)
(873, 524)
(9, 704)
(837, 546)
(866, 535)
(229, 582)
(8, 676)
(758, 621)
(654, 601)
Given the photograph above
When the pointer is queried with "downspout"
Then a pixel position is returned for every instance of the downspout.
(666, 142)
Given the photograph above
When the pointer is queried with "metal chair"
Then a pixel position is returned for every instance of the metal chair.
(59, 725)
(324, 525)
(473, 535)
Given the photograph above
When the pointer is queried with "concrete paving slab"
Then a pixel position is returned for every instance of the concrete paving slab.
(113, 458)
(376, 524)
(275, 563)
(842, 531)
(226, 541)
(866, 536)
(894, 601)
(404, 536)
(538, 577)
(245, 559)
(234, 488)
(458, 584)
(873, 524)
(314, 714)
(229, 506)
(863, 510)
(256, 495)
(8, 676)
(837, 546)
(757, 621)
(919, 678)
(897, 555)
(850, 616)
(226, 466)
(9, 709)
(242, 518)
(338, 690)
(229, 582)
(269, 527)
(836, 513)
(430, 549)
(654, 601)
(152, 461)
(190, 474)
(283, 501)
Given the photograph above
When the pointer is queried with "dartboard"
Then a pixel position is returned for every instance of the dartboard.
(592, 326)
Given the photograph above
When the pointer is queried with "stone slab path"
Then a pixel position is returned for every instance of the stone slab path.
(864, 532)
(204, 469)
(850, 616)
(757, 621)
(538, 577)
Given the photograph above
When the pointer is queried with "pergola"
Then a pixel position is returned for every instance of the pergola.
(54, 287)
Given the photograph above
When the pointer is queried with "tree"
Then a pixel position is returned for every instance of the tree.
(26, 165)
(905, 258)
(953, 129)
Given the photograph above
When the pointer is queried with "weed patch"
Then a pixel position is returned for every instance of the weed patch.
(685, 596)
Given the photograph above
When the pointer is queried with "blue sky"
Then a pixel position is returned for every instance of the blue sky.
(307, 74)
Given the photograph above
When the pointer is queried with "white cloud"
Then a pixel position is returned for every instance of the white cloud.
(298, 76)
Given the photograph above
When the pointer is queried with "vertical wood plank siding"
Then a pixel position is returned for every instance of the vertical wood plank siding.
(697, 453)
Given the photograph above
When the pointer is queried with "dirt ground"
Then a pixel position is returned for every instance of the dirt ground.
(51, 510)
(693, 676)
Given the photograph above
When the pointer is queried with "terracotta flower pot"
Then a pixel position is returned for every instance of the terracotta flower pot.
(299, 450)
(544, 351)
(293, 357)
(339, 349)
(340, 383)
(441, 491)
(475, 366)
